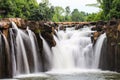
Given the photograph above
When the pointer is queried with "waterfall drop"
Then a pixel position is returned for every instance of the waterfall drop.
(25, 51)
(97, 50)
(73, 49)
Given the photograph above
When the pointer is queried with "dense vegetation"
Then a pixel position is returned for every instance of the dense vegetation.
(30, 9)
(110, 9)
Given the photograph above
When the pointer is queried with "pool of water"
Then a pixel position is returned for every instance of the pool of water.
(70, 75)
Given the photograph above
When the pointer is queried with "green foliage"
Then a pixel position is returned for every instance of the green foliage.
(109, 9)
(75, 15)
(58, 15)
(43, 12)
(115, 10)
(67, 16)
(30, 9)
(78, 16)
(91, 17)
(17, 8)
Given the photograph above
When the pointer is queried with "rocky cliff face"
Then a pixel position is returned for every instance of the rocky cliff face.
(110, 54)
(113, 39)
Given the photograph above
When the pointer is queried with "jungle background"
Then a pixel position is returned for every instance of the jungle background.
(31, 10)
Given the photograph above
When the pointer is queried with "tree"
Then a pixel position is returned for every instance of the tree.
(45, 1)
(115, 10)
(106, 6)
(58, 14)
(75, 15)
(17, 8)
(43, 12)
(67, 10)
(109, 9)
(67, 14)
(78, 16)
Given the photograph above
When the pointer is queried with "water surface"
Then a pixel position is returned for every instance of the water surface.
(84, 75)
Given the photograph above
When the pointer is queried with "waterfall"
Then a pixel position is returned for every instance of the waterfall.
(73, 49)
(20, 51)
(25, 51)
(12, 50)
(34, 50)
(47, 54)
(97, 50)
(5, 57)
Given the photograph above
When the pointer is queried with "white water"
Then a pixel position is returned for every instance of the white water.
(13, 54)
(6, 44)
(34, 50)
(21, 52)
(25, 51)
(46, 49)
(73, 49)
(48, 56)
(97, 50)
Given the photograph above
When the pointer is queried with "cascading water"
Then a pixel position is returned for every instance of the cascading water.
(73, 49)
(47, 54)
(5, 57)
(34, 46)
(97, 50)
(73, 54)
(25, 51)
(20, 52)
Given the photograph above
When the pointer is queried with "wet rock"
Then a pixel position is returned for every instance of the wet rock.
(79, 26)
(104, 58)
(110, 57)
(100, 26)
(46, 32)
(95, 36)
(5, 58)
(16, 20)
(118, 27)
(93, 23)
(33, 25)
(62, 27)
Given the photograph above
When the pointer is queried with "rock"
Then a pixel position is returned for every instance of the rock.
(104, 58)
(4, 25)
(118, 27)
(95, 37)
(93, 23)
(5, 59)
(100, 26)
(16, 20)
(46, 32)
(62, 27)
(79, 26)
(33, 25)
(112, 55)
